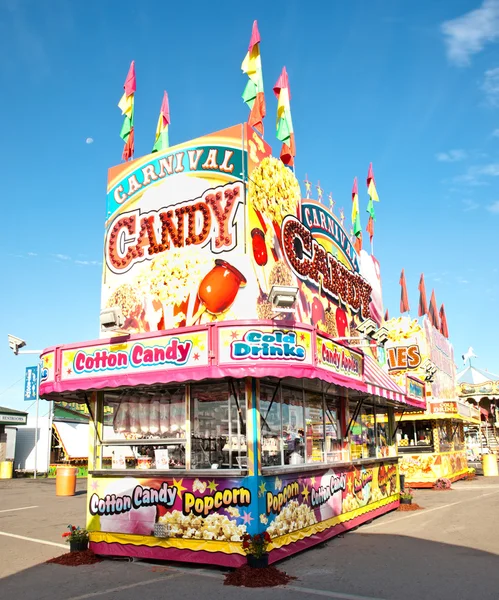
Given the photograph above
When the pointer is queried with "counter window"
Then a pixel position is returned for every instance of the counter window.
(270, 418)
(458, 437)
(415, 435)
(333, 443)
(382, 432)
(444, 436)
(293, 429)
(314, 419)
(361, 431)
(218, 417)
(144, 429)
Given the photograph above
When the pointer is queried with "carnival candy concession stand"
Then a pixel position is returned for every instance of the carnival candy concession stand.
(230, 413)
(431, 442)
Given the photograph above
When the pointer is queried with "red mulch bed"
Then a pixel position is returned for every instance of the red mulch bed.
(408, 507)
(76, 559)
(246, 576)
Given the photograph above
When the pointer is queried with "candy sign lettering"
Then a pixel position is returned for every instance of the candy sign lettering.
(278, 345)
(206, 220)
(339, 359)
(104, 359)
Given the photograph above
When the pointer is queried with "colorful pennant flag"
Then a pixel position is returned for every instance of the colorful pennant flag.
(404, 299)
(126, 104)
(444, 330)
(285, 131)
(357, 228)
(373, 197)
(387, 316)
(253, 93)
(162, 141)
(433, 312)
(423, 306)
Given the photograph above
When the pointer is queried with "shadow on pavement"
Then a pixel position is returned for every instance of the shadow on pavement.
(366, 565)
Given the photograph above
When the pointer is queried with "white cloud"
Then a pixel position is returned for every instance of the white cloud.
(32, 254)
(491, 86)
(476, 174)
(451, 156)
(494, 207)
(469, 205)
(468, 34)
(62, 256)
(462, 280)
(87, 262)
(89, 140)
(495, 133)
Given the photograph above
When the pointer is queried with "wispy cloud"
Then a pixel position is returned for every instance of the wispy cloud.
(468, 34)
(469, 205)
(32, 254)
(494, 207)
(491, 86)
(87, 262)
(462, 280)
(451, 156)
(477, 175)
(61, 256)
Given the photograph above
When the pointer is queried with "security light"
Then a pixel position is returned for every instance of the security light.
(283, 297)
(15, 343)
(111, 319)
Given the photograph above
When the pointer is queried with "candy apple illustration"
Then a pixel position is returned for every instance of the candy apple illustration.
(341, 322)
(317, 311)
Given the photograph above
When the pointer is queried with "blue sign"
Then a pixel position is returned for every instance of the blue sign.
(31, 384)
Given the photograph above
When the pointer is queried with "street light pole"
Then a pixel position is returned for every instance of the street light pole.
(15, 345)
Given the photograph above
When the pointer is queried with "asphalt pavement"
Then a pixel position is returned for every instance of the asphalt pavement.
(448, 551)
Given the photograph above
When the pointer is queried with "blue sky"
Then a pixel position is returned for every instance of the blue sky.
(414, 88)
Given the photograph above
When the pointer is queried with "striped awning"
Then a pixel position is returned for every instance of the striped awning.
(380, 383)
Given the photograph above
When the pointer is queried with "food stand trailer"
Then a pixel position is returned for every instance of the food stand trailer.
(237, 415)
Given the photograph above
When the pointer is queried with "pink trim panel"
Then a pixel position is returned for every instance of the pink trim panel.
(173, 554)
(375, 380)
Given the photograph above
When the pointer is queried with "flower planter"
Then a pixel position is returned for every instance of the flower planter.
(78, 545)
(258, 562)
(405, 500)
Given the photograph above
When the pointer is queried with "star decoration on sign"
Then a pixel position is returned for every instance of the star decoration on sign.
(308, 186)
(342, 217)
(305, 493)
(69, 371)
(319, 191)
(196, 356)
(247, 518)
(234, 335)
(212, 486)
(179, 486)
(302, 337)
(331, 201)
(262, 489)
(312, 481)
(350, 485)
(94, 486)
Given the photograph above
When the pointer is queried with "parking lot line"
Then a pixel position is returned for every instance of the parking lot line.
(424, 512)
(13, 509)
(327, 594)
(29, 539)
(125, 587)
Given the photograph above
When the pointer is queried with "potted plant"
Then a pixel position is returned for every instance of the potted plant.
(77, 538)
(470, 474)
(406, 496)
(255, 547)
(442, 483)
